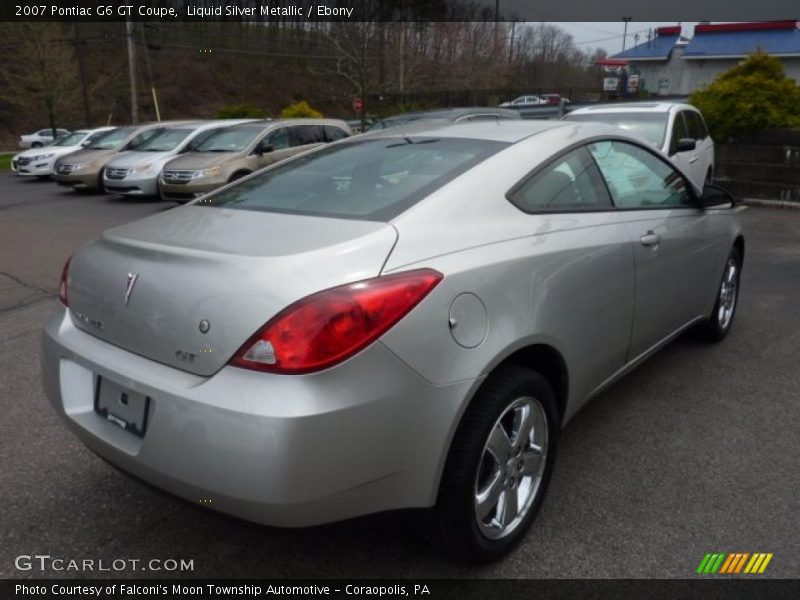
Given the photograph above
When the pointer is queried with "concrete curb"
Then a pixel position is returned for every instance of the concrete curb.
(771, 203)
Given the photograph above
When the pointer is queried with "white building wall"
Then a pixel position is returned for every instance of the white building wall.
(679, 76)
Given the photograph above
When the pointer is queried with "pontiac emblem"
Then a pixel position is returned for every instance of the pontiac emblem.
(132, 277)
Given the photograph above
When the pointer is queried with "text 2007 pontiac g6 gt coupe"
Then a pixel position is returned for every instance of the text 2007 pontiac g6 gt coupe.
(404, 319)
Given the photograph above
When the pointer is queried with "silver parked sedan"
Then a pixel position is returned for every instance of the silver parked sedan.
(403, 319)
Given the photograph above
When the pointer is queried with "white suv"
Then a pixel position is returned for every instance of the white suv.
(676, 129)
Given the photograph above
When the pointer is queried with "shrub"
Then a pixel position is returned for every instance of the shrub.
(300, 110)
(753, 96)
(240, 111)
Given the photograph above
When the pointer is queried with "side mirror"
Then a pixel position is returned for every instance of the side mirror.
(685, 145)
(716, 197)
(262, 149)
(85, 143)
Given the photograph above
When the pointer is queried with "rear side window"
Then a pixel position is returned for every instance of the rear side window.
(697, 128)
(679, 131)
(571, 183)
(373, 180)
(307, 134)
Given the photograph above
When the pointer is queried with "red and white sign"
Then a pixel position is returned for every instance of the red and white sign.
(357, 104)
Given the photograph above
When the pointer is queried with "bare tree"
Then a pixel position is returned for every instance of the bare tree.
(40, 71)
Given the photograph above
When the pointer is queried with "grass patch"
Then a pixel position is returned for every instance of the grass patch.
(5, 161)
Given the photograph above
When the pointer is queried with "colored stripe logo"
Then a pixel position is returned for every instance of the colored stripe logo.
(734, 563)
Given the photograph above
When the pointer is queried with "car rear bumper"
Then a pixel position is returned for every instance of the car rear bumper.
(366, 436)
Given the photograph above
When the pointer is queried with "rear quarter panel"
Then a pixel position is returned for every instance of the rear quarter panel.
(565, 280)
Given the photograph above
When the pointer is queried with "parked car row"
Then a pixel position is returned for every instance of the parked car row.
(178, 160)
(40, 160)
(181, 160)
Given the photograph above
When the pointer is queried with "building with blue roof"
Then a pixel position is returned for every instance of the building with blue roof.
(669, 64)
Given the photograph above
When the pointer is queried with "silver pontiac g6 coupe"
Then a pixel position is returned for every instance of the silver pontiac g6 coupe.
(402, 319)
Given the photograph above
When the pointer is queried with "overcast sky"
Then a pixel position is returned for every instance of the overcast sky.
(608, 35)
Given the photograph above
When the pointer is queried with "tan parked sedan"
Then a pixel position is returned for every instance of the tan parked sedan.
(84, 169)
(240, 150)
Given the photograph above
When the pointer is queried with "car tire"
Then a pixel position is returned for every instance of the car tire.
(709, 177)
(719, 322)
(36, 145)
(478, 486)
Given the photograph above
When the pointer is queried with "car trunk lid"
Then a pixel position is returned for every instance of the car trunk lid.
(187, 288)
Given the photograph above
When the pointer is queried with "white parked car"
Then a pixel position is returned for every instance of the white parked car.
(677, 129)
(525, 101)
(43, 137)
(40, 162)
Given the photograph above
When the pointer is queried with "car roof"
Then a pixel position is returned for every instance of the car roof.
(626, 107)
(453, 113)
(508, 131)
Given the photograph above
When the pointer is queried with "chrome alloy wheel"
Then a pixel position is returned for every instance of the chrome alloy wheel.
(511, 467)
(727, 293)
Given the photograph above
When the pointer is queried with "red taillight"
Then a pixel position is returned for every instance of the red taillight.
(330, 326)
(62, 286)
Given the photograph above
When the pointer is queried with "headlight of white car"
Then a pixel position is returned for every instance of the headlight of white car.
(43, 156)
(210, 172)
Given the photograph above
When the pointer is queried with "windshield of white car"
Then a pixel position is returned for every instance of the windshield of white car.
(230, 139)
(73, 139)
(373, 180)
(650, 126)
(165, 140)
(110, 140)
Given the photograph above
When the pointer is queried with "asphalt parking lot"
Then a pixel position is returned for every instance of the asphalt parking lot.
(697, 451)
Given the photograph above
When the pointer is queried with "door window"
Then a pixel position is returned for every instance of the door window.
(638, 179)
(333, 133)
(279, 139)
(571, 183)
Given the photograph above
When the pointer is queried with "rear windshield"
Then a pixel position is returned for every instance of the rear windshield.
(372, 180)
(165, 140)
(111, 139)
(232, 139)
(650, 126)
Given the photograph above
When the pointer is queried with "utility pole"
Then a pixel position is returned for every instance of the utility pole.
(625, 32)
(146, 52)
(132, 70)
